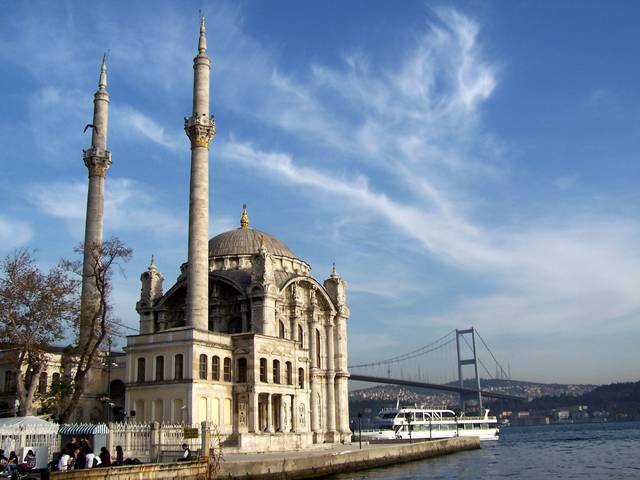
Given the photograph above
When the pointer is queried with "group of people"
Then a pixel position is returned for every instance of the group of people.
(79, 455)
(8, 465)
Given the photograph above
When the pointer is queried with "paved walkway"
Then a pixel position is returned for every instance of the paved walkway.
(336, 449)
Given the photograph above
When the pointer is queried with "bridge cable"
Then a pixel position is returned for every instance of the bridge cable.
(491, 353)
(412, 354)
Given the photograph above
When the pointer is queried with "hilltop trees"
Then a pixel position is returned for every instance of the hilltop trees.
(36, 310)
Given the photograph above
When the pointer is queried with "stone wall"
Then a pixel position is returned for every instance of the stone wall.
(310, 466)
(293, 466)
(197, 470)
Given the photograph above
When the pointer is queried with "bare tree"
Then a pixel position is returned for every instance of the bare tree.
(97, 318)
(36, 310)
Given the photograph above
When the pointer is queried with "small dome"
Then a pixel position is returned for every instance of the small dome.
(246, 241)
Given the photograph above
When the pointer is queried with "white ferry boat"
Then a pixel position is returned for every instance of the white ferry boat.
(421, 423)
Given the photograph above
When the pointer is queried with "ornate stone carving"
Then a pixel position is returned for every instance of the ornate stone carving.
(200, 130)
(97, 161)
(242, 413)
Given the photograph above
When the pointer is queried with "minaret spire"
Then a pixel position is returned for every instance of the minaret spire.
(202, 44)
(102, 83)
(200, 129)
(97, 159)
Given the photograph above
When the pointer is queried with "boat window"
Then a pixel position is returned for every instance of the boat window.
(418, 417)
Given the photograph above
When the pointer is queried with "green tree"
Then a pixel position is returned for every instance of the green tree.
(36, 310)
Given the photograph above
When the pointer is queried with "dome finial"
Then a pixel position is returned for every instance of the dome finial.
(334, 273)
(152, 265)
(244, 219)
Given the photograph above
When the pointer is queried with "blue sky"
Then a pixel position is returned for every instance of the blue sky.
(472, 163)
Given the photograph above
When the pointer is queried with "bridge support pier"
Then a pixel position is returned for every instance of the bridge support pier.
(460, 334)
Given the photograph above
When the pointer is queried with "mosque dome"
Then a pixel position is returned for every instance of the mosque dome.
(246, 241)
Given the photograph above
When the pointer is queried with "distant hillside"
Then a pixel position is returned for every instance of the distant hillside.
(619, 400)
(369, 401)
(529, 390)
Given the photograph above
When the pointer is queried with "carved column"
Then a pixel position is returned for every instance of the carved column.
(314, 379)
(330, 378)
(269, 414)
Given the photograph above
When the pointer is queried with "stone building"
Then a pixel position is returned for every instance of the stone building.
(246, 338)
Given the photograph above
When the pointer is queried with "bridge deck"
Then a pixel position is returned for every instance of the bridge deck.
(433, 386)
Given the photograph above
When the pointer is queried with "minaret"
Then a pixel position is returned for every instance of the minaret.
(200, 129)
(98, 160)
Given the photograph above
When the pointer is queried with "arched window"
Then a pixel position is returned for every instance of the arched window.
(318, 356)
(301, 377)
(9, 384)
(215, 368)
(55, 381)
(141, 369)
(300, 336)
(159, 368)
(227, 369)
(280, 328)
(289, 373)
(178, 367)
(42, 383)
(276, 371)
(242, 370)
(204, 362)
(263, 370)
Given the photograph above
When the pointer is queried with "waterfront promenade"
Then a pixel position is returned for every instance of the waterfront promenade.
(280, 465)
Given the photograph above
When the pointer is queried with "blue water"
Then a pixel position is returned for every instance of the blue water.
(585, 451)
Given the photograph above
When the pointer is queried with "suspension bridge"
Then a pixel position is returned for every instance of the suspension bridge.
(442, 365)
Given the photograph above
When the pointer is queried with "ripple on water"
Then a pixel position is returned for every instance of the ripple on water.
(596, 451)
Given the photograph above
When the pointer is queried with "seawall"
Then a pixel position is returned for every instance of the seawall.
(289, 465)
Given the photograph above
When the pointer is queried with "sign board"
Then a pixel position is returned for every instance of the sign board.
(191, 432)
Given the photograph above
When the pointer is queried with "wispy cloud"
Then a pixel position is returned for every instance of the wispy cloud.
(133, 122)
(420, 123)
(128, 207)
(13, 233)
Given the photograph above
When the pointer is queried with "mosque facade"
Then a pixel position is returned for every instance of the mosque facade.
(246, 338)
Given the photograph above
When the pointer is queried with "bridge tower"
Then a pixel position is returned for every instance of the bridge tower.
(460, 334)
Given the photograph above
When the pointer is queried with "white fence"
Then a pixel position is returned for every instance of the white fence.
(134, 438)
(35, 437)
(147, 442)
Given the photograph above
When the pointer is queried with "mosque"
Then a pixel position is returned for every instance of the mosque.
(246, 338)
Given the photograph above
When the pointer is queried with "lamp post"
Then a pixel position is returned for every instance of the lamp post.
(109, 342)
(409, 424)
(360, 429)
(430, 431)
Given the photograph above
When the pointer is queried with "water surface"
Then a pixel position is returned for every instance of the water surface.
(584, 451)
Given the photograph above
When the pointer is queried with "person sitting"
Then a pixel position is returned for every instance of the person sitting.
(30, 460)
(71, 446)
(119, 456)
(79, 461)
(186, 455)
(64, 462)
(7, 465)
(90, 457)
(105, 457)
